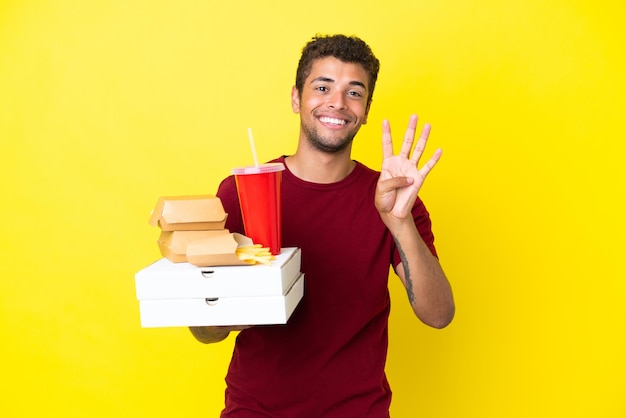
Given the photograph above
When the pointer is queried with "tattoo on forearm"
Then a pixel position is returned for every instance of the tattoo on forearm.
(407, 273)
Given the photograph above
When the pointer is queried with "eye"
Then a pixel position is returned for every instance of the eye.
(323, 89)
(355, 94)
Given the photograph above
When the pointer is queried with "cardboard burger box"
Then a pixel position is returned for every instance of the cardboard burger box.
(174, 244)
(188, 213)
(182, 294)
(217, 250)
(186, 219)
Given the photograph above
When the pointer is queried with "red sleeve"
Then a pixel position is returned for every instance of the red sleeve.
(227, 192)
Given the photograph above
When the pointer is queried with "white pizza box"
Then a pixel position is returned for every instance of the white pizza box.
(167, 280)
(254, 310)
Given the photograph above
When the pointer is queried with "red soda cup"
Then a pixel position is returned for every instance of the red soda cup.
(259, 191)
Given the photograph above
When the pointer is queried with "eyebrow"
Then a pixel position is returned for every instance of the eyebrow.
(330, 80)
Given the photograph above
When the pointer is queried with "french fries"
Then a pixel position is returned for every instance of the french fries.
(255, 253)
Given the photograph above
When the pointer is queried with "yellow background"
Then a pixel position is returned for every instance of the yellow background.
(105, 106)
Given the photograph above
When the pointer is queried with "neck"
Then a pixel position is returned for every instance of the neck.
(320, 167)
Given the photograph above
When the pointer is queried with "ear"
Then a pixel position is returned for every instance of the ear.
(295, 100)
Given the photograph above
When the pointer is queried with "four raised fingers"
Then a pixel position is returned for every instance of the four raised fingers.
(407, 144)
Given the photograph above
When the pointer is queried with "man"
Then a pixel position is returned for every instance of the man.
(351, 223)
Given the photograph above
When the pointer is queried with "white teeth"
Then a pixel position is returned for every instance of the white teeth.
(333, 121)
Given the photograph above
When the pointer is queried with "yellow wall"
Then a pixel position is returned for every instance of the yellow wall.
(104, 106)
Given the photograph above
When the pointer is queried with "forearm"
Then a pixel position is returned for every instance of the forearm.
(427, 286)
(208, 335)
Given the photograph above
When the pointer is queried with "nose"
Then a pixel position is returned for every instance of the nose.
(337, 101)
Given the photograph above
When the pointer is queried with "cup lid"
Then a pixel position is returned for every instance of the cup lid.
(260, 169)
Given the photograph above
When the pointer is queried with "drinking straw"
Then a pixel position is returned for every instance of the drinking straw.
(256, 160)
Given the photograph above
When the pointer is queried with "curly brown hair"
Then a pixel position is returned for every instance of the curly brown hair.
(345, 48)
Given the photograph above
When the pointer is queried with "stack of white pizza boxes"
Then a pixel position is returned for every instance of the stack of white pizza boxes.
(200, 281)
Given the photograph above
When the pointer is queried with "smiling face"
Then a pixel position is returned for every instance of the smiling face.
(333, 104)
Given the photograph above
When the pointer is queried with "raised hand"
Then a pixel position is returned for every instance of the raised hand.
(400, 179)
